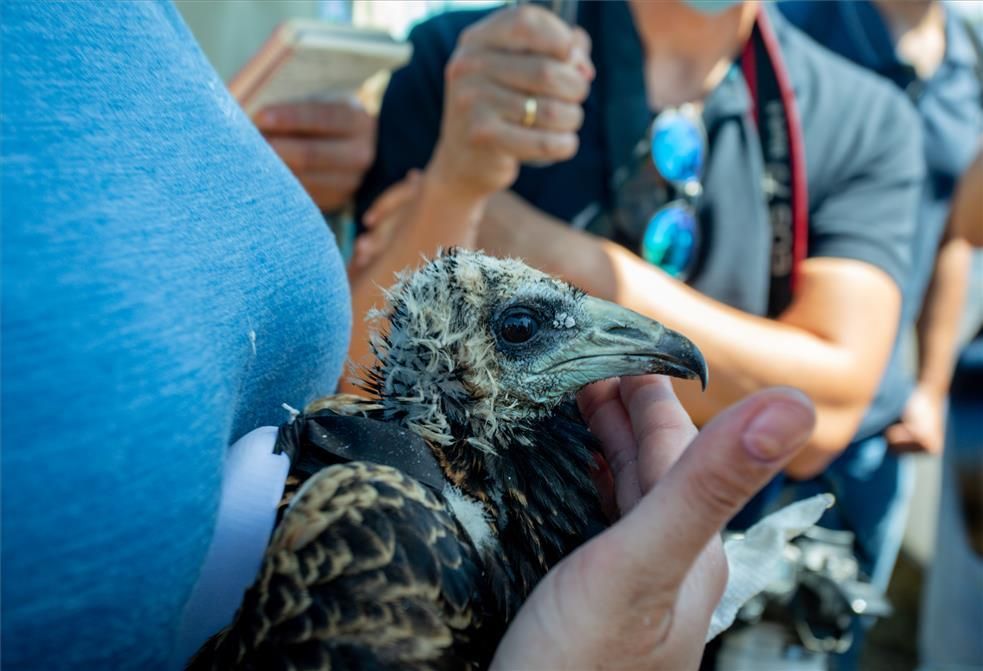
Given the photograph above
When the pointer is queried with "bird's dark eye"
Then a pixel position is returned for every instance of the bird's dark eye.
(518, 327)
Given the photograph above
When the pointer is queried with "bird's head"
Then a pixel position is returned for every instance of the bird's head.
(478, 346)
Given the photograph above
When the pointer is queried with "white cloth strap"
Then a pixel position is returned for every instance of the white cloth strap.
(253, 479)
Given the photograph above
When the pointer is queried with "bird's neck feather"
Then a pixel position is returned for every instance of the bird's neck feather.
(535, 482)
(531, 469)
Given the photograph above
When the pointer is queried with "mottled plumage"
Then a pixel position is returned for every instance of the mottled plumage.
(369, 568)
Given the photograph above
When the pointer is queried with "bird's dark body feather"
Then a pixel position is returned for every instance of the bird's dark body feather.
(367, 570)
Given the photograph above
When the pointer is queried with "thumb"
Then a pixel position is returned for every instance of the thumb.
(733, 457)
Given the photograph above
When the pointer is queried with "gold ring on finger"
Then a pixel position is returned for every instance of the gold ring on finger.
(529, 112)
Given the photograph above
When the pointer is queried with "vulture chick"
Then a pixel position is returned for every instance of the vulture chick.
(373, 567)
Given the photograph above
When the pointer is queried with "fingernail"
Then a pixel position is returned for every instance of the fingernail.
(781, 428)
(267, 117)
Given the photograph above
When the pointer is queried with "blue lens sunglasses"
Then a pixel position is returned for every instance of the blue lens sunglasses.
(678, 149)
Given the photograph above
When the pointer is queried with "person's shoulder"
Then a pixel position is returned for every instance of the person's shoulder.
(842, 103)
(813, 67)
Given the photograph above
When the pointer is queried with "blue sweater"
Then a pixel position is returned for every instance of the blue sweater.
(166, 286)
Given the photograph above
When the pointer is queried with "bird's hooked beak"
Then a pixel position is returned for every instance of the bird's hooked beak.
(619, 342)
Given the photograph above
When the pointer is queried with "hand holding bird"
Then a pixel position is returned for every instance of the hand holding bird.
(640, 595)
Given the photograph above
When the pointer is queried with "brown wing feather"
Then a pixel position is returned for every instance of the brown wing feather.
(366, 570)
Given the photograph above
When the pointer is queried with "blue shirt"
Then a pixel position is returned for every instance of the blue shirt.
(949, 107)
(167, 284)
(862, 149)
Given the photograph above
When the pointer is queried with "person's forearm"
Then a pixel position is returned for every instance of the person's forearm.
(441, 217)
(746, 353)
(938, 325)
(966, 215)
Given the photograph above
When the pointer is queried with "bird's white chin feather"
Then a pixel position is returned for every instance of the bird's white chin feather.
(473, 516)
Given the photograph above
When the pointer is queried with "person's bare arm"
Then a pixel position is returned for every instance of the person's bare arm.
(938, 324)
(833, 342)
(966, 215)
(922, 424)
(439, 217)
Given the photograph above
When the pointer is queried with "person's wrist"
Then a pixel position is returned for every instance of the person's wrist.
(445, 215)
(932, 391)
(444, 174)
(439, 186)
(471, 174)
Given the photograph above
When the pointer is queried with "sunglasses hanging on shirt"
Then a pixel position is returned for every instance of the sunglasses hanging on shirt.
(655, 197)
(678, 149)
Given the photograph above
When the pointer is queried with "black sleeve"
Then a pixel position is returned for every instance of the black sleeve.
(409, 121)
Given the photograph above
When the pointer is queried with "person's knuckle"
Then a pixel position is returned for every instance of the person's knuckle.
(583, 38)
(622, 463)
(719, 492)
(549, 112)
(670, 422)
(461, 64)
(482, 133)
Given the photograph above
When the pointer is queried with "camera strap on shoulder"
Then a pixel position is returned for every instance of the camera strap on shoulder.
(779, 129)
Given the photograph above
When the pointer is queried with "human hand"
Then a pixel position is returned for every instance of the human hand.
(640, 595)
(382, 218)
(922, 425)
(327, 145)
(513, 56)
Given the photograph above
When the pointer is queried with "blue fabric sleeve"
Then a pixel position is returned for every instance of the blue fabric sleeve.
(166, 286)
